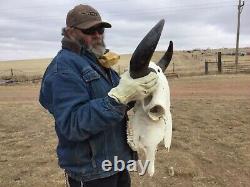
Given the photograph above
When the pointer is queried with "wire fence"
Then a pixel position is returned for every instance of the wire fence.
(187, 65)
(227, 66)
(17, 75)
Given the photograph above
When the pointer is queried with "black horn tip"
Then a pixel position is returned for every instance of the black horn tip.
(170, 46)
(165, 60)
(162, 21)
(144, 51)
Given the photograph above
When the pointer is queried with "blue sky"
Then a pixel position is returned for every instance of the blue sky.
(32, 29)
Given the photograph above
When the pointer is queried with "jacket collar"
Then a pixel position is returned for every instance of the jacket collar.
(71, 45)
(80, 50)
(98, 67)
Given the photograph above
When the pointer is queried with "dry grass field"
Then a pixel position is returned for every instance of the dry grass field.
(210, 145)
(211, 127)
(183, 63)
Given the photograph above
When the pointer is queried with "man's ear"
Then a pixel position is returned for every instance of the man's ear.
(71, 33)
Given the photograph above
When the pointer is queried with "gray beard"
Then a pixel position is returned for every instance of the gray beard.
(98, 50)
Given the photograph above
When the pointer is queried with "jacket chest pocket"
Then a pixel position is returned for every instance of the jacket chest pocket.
(95, 83)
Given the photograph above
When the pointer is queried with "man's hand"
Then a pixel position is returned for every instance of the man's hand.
(133, 89)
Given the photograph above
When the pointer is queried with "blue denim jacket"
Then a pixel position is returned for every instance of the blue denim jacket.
(91, 126)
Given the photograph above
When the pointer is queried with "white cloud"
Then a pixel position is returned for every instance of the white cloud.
(31, 29)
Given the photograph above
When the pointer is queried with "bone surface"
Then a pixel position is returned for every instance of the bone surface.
(152, 121)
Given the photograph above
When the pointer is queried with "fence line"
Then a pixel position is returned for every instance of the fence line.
(222, 66)
(16, 75)
(230, 66)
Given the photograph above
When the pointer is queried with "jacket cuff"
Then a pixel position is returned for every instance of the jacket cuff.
(113, 105)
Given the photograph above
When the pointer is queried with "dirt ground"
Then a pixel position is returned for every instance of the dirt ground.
(210, 144)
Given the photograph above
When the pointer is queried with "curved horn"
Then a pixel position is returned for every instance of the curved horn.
(165, 60)
(142, 55)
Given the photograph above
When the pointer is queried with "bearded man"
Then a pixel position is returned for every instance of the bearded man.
(89, 102)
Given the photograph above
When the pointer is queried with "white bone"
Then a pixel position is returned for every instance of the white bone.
(152, 121)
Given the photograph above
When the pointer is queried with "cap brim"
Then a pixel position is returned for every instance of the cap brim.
(94, 23)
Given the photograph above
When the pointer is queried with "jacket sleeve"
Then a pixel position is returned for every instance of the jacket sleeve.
(77, 117)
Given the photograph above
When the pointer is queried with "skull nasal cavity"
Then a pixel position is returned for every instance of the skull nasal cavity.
(157, 110)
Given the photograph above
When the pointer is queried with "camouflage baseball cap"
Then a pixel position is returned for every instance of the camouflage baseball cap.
(84, 17)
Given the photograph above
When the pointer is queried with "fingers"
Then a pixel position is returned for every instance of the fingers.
(152, 76)
(150, 84)
(136, 89)
(151, 89)
(151, 81)
(143, 80)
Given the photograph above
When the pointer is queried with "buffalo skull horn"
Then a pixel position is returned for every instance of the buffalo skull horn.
(165, 60)
(143, 53)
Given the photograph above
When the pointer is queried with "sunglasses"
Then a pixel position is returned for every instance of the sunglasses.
(93, 30)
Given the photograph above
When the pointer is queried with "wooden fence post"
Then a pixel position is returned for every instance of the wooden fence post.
(219, 62)
(206, 67)
(11, 73)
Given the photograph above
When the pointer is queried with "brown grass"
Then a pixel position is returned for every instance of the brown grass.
(210, 145)
(183, 63)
